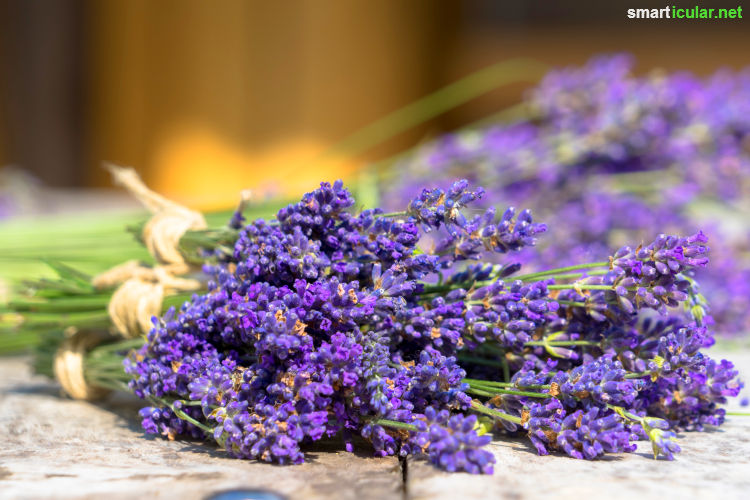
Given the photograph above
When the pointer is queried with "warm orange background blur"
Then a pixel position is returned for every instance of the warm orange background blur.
(206, 98)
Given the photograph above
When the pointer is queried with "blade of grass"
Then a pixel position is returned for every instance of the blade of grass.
(437, 103)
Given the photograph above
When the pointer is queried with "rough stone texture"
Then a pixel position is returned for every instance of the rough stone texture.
(57, 448)
(714, 464)
(52, 447)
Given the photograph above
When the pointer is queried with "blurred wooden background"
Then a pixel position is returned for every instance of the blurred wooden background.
(205, 98)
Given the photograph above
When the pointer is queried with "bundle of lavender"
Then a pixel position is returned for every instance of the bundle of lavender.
(326, 323)
(607, 157)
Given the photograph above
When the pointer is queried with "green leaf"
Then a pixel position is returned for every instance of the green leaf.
(68, 273)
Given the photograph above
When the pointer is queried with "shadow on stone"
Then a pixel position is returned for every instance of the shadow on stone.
(649, 455)
(204, 448)
(362, 449)
(523, 445)
(313, 451)
(40, 388)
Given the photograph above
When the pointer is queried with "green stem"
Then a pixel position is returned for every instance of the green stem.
(479, 407)
(558, 270)
(382, 168)
(72, 304)
(638, 375)
(504, 384)
(125, 345)
(494, 391)
(572, 303)
(579, 287)
(62, 320)
(506, 368)
(487, 382)
(626, 414)
(567, 275)
(114, 385)
(184, 416)
(395, 424)
(186, 402)
(428, 289)
(439, 102)
(480, 392)
(562, 343)
(549, 274)
(10, 343)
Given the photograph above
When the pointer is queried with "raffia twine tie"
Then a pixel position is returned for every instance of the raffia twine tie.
(139, 295)
(68, 364)
(141, 289)
(169, 220)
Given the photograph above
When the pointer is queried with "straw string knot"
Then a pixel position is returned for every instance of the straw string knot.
(169, 220)
(140, 294)
(141, 289)
(68, 364)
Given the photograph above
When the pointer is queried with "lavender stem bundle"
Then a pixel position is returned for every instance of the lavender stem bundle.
(323, 323)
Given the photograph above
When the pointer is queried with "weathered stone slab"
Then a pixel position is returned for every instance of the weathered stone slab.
(53, 447)
(714, 464)
(58, 448)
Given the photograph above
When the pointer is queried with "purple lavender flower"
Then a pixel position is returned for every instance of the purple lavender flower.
(664, 443)
(591, 434)
(436, 207)
(580, 434)
(650, 277)
(602, 381)
(452, 442)
(509, 314)
(483, 234)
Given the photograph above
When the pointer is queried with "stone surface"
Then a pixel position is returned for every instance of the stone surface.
(52, 447)
(714, 464)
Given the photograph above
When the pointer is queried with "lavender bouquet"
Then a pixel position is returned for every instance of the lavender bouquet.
(393, 328)
(608, 158)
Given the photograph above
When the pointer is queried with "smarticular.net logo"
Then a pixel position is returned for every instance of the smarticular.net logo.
(675, 12)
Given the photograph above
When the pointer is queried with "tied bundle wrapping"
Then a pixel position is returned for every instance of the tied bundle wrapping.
(141, 289)
(69, 364)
